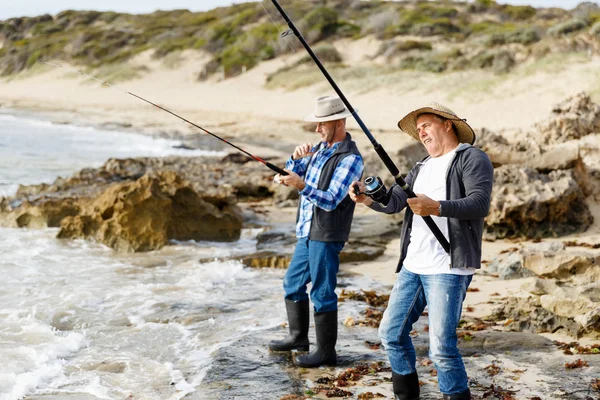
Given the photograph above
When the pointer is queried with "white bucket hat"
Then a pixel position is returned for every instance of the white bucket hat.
(408, 124)
(328, 108)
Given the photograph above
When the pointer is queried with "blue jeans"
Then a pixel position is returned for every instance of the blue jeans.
(444, 295)
(316, 262)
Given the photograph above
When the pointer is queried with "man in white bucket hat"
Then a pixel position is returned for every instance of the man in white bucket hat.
(453, 186)
(322, 174)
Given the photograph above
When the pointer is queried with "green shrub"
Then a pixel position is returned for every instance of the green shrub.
(320, 23)
(503, 62)
(441, 26)
(175, 44)
(413, 45)
(327, 53)
(423, 64)
(33, 59)
(483, 27)
(432, 11)
(220, 36)
(347, 29)
(565, 28)
(499, 61)
(479, 6)
(381, 24)
(518, 13)
(234, 59)
(522, 36)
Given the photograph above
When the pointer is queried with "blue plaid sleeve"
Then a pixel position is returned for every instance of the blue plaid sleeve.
(297, 166)
(348, 171)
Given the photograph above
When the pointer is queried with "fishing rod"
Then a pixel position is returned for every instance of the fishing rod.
(378, 148)
(268, 164)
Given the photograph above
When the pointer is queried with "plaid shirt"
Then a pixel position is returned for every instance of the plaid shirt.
(349, 170)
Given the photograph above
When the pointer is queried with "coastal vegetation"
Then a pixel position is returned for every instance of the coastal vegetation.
(433, 36)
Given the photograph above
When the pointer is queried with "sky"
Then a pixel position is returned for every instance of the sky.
(19, 8)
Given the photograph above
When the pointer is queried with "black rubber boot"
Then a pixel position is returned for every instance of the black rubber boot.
(406, 387)
(324, 354)
(466, 395)
(298, 319)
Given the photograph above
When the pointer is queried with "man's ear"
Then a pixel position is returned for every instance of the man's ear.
(448, 125)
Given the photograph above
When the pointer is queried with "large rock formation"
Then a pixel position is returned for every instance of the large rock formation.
(573, 118)
(140, 204)
(565, 295)
(541, 179)
(530, 204)
(145, 214)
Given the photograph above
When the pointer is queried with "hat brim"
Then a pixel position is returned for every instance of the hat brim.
(408, 124)
(333, 117)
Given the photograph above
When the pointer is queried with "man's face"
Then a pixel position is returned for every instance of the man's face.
(437, 136)
(326, 130)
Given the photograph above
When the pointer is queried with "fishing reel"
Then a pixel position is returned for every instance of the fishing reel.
(377, 190)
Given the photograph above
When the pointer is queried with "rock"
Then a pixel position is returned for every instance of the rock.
(285, 193)
(527, 314)
(564, 266)
(529, 204)
(145, 214)
(267, 259)
(590, 321)
(356, 251)
(567, 304)
(276, 239)
(48, 213)
(510, 267)
(565, 296)
(573, 118)
(541, 286)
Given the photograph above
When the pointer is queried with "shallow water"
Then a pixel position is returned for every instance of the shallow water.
(34, 150)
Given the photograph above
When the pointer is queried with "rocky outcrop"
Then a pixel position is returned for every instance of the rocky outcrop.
(140, 204)
(573, 118)
(530, 204)
(542, 178)
(565, 294)
(145, 214)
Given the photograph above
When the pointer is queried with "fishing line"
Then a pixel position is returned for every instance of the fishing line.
(268, 164)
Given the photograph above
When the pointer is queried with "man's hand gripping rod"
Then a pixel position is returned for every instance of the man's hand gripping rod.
(378, 148)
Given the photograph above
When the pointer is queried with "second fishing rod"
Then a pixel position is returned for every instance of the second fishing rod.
(377, 147)
(256, 158)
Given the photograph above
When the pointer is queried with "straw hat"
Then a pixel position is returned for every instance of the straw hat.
(408, 124)
(328, 108)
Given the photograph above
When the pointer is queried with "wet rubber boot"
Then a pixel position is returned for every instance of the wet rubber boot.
(466, 395)
(326, 332)
(298, 319)
(406, 387)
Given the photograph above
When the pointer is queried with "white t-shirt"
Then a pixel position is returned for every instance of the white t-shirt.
(425, 255)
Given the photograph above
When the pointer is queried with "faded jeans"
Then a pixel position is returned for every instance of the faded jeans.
(444, 295)
(316, 262)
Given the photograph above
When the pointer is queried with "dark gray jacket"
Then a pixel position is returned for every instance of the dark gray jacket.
(468, 191)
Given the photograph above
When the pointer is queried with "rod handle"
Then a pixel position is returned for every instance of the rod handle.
(276, 169)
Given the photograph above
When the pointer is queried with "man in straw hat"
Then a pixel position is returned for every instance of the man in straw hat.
(453, 185)
(322, 174)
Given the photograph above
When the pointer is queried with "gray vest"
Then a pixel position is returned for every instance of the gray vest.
(334, 226)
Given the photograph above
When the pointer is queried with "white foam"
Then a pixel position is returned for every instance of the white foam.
(37, 355)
